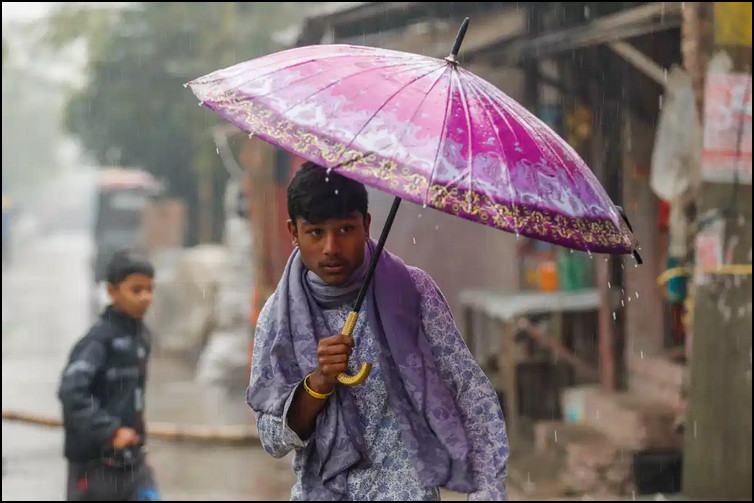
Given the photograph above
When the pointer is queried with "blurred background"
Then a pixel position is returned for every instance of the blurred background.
(592, 357)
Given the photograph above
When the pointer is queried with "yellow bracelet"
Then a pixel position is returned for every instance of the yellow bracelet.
(318, 396)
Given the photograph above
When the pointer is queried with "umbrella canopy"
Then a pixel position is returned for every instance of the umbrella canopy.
(425, 130)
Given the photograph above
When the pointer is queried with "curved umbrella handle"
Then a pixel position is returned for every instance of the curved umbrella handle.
(363, 373)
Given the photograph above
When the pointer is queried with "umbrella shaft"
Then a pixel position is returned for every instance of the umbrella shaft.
(377, 253)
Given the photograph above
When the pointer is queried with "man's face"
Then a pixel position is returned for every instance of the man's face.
(333, 249)
(133, 295)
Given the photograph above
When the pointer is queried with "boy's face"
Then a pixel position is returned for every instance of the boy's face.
(333, 249)
(133, 295)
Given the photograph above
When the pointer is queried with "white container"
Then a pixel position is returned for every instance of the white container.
(573, 402)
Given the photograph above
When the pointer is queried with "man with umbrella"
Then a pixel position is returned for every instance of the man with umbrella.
(428, 131)
(427, 416)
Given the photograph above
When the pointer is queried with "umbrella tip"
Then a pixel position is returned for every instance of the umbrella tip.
(624, 216)
(637, 257)
(459, 41)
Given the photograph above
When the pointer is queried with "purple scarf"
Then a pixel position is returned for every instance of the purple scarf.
(427, 412)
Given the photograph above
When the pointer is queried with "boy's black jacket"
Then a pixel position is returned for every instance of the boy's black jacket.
(102, 389)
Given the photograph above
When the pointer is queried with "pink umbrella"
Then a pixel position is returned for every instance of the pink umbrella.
(424, 130)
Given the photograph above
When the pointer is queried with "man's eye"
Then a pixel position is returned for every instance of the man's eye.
(314, 232)
(347, 228)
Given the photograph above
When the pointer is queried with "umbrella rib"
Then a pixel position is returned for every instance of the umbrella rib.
(294, 61)
(501, 111)
(555, 154)
(348, 76)
(470, 134)
(501, 114)
(336, 82)
(287, 68)
(388, 101)
(209, 79)
(553, 151)
(349, 161)
(532, 127)
(442, 136)
(482, 97)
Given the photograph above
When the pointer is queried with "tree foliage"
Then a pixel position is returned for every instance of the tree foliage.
(135, 111)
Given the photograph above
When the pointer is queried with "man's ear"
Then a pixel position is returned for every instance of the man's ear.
(293, 231)
(111, 291)
(367, 224)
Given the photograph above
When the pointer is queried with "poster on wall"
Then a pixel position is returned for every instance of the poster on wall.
(726, 156)
(708, 250)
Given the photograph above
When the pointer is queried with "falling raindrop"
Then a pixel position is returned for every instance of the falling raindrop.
(590, 253)
(637, 295)
(336, 192)
(185, 85)
(614, 317)
(420, 215)
(641, 354)
(414, 239)
(609, 285)
(327, 179)
(556, 435)
(622, 304)
(201, 103)
(424, 205)
(571, 250)
(217, 150)
(251, 135)
(437, 227)
(329, 170)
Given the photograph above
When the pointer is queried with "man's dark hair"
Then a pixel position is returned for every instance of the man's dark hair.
(316, 196)
(124, 263)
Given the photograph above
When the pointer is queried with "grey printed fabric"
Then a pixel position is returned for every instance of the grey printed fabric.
(426, 417)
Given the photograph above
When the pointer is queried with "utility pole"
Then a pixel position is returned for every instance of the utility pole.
(717, 454)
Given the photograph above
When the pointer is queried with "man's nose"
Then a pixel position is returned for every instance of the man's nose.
(332, 244)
